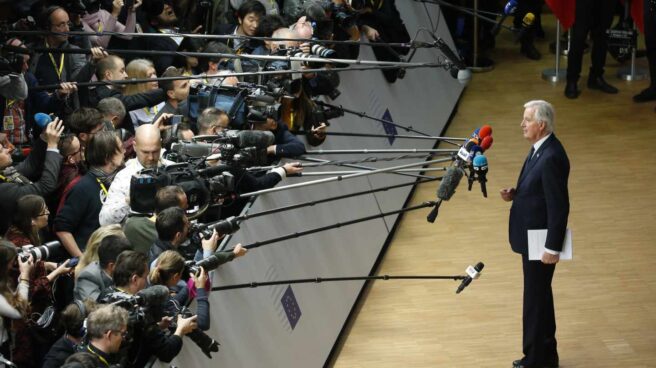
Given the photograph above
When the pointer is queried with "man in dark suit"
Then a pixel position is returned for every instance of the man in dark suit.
(97, 276)
(540, 201)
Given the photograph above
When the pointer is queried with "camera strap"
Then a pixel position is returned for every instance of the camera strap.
(11, 175)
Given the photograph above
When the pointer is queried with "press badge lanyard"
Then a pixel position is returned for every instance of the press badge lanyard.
(103, 360)
(60, 68)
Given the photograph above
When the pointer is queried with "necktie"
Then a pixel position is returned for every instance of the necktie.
(530, 154)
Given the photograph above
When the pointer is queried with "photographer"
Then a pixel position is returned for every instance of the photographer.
(248, 18)
(176, 91)
(286, 144)
(13, 303)
(212, 121)
(168, 271)
(173, 230)
(130, 277)
(42, 164)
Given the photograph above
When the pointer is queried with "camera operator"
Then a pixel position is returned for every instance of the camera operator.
(107, 328)
(140, 228)
(286, 144)
(112, 68)
(130, 276)
(55, 67)
(98, 20)
(212, 121)
(333, 20)
(78, 217)
(42, 166)
(173, 230)
(97, 276)
(148, 146)
(114, 112)
(216, 65)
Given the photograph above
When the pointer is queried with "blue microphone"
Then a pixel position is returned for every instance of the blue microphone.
(480, 168)
(42, 120)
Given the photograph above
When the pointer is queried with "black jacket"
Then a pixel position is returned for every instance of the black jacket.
(58, 353)
(132, 102)
(42, 168)
(541, 199)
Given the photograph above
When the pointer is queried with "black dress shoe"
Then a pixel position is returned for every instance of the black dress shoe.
(518, 364)
(601, 84)
(530, 51)
(647, 94)
(571, 90)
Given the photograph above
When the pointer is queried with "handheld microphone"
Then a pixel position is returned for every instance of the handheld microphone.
(446, 189)
(486, 143)
(527, 23)
(480, 168)
(42, 120)
(472, 273)
(509, 9)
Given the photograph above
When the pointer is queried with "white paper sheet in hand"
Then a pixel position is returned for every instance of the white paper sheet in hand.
(536, 240)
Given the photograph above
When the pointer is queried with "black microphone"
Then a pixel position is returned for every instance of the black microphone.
(153, 296)
(446, 189)
(480, 168)
(509, 9)
(527, 23)
(472, 273)
(460, 72)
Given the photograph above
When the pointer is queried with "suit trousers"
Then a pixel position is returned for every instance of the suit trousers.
(539, 321)
(594, 16)
(650, 37)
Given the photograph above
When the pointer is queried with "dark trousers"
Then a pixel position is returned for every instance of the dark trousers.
(539, 321)
(594, 16)
(650, 37)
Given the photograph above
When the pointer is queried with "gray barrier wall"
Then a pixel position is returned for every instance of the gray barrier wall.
(297, 326)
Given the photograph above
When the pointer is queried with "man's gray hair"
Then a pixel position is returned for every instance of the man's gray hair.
(543, 111)
(112, 106)
(106, 318)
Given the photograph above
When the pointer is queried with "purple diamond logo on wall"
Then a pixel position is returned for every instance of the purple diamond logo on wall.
(291, 307)
(389, 128)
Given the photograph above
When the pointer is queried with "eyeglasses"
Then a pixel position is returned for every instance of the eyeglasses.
(124, 334)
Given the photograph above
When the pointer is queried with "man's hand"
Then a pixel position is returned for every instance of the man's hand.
(185, 325)
(137, 3)
(211, 243)
(117, 5)
(292, 168)
(320, 131)
(98, 53)
(160, 123)
(65, 89)
(507, 194)
(53, 132)
(239, 250)
(165, 323)
(371, 33)
(548, 258)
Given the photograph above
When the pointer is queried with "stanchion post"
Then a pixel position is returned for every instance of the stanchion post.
(555, 75)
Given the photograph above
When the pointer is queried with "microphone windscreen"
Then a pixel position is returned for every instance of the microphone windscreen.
(485, 131)
(154, 295)
(510, 7)
(487, 143)
(479, 266)
(464, 76)
(528, 20)
(480, 161)
(42, 120)
(449, 183)
(258, 138)
(475, 133)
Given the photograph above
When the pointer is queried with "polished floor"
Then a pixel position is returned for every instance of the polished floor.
(605, 298)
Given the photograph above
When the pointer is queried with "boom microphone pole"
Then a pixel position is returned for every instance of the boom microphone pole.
(341, 177)
(394, 136)
(331, 199)
(318, 280)
(433, 151)
(337, 225)
(321, 162)
(366, 116)
(321, 173)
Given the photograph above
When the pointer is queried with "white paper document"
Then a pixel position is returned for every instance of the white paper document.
(536, 240)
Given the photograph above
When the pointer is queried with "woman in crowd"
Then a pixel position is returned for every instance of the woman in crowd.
(142, 69)
(13, 302)
(91, 252)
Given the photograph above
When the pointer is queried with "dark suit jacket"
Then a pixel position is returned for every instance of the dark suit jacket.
(541, 199)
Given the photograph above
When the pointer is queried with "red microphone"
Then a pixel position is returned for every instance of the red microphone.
(486, 143)
(485, 131)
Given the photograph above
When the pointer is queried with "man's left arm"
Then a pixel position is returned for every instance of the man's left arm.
(288, 145)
